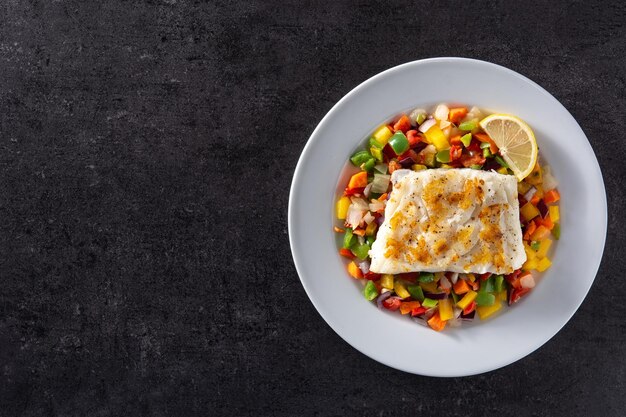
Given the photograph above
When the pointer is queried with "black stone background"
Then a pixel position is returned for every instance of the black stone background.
(146, 154)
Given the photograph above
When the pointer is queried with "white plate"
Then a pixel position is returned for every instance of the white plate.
(393, 339)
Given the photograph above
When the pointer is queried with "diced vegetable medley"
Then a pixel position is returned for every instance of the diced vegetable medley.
(448, 137)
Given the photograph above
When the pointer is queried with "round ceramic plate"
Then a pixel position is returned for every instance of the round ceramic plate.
(393, 339)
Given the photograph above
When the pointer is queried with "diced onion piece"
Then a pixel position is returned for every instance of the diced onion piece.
(444, 283)
(527, 281)
(474, 113)
(366, 191)
(444, 124)
(376, 206)
(361, 240)
(364, 266)
(354, 217)
(427, 125)
(368, 218)
(549, 182)
(530, 193)
(380, 183)
(359, 203)
(430, 149)
(454, 277)
(441, 112)
(413, 116)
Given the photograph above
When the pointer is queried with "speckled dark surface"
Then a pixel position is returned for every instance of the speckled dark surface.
(146, 153)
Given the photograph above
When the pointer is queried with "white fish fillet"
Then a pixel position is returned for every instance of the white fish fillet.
(458, 220)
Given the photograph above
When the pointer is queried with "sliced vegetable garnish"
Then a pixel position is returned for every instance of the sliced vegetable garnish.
(447, 138)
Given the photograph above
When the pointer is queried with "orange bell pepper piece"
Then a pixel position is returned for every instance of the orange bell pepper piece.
(530, 229)
(358, 180)
(551, 196)
(483, 137)
(461, 287)
(436, 323)
(457, 113)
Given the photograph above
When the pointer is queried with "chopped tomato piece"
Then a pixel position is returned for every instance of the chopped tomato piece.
(392, 303)
(413, 137)
(372, 276)
(455, 152)
(403, 124)
(470, 307)
(354, 191)
(346, 252)
(517, 293)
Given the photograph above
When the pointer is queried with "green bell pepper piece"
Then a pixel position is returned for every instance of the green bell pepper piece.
(455, 297)
(476, 166)
(420, 118)
(487, 153)
(368, 165)
(484, 145)
(466, 139)
(429, 303)
(487, 285)
(375, 144)
(361, 251)
(468, 126)
(501, 161)
(498, 283)
(348, 238)
(360, 158)
(370, 240)
(556, 231)
(416, 292)
(443, 156)
(484, 299)
(399, 143)
(370, 292)
(426, 277)
(535, 245)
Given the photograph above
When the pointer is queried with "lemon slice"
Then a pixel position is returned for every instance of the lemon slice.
(516, 142)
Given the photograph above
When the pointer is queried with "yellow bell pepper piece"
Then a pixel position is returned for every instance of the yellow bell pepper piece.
(523, 187)
(436, 136)
(530, 264)
(471, 277)
(418, 167)
(502, 296)
(401, 290)
(554, 213)
(543, 264)
(529, 211)
(484, 312)
(535, 177)
(445, 310)
(387, 281)
(544, 247)
(382, 135)
(371, 228)
(342, 207)
(530, 253)
(503, 171)
(467, 299)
